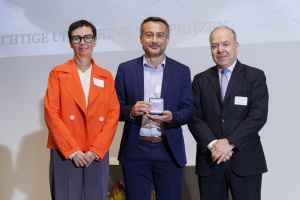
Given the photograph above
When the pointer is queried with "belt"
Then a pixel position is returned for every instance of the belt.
(151, 139)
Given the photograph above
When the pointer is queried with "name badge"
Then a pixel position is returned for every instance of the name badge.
(240, 101)
(98, 82)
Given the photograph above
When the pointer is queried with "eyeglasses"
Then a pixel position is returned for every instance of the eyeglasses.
(76, 39)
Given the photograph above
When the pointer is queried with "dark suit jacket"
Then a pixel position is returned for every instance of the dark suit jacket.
(176, 92)
(240, 124)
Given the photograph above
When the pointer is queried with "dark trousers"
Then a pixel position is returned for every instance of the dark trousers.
(222, 178)
(67, 182)
(151, 164)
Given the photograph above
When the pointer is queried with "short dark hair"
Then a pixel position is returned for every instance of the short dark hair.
(79, 24)
(155, 19)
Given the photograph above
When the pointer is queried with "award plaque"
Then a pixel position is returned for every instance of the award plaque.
(157, 106)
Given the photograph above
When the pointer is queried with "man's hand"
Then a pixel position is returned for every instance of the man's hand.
(165, 117)
(140, 108)
(221, 151)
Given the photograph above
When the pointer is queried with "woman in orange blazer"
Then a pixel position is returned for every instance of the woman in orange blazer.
(81, 112)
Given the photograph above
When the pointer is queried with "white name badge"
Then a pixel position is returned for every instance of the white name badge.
(240, 101)
(98, 82)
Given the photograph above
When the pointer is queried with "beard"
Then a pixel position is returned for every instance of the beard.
(154, 52)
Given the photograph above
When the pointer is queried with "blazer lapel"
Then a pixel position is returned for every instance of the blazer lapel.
(97, 84)
(214, 81)
(71, 82)
(168, 71)
(236, 76)
(140, 76)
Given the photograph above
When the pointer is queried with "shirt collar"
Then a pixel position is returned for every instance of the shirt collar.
(231, 67)
(163, 62)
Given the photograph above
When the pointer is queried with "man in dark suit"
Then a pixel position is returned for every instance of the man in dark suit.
(152, 147)
(227, 121)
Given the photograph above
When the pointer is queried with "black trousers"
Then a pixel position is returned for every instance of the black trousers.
(222, 179)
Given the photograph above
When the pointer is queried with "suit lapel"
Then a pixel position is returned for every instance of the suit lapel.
(168, 71)
(140, 76)
(71, 82)
(213, 78)
(236, 76)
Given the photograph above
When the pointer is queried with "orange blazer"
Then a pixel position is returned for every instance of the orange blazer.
(73, 126)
